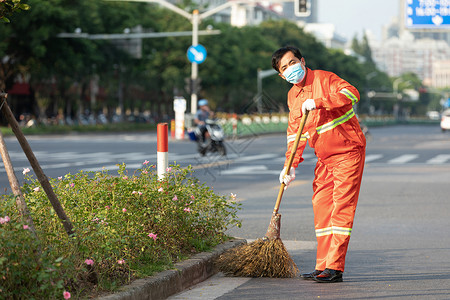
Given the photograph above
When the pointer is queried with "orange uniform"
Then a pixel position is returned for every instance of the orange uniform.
(333, 130)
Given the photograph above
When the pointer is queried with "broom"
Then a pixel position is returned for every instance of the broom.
(265, 257)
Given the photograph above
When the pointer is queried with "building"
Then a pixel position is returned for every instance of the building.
(326, 33)
(404, 49)
(441, 74)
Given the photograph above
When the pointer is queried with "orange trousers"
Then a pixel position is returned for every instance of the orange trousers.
(336, 190)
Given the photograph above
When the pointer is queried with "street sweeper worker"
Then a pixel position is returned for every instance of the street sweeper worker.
(332, 129)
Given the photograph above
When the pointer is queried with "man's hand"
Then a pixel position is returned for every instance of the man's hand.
(309, 104)
(288, 178)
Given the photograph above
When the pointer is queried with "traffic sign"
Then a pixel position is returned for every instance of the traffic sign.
(196, 54)
(421, 14)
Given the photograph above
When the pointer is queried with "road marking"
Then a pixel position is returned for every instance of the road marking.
(372, 157)
(95, 161)
(403, 159)
(439, 159)
(254, 169)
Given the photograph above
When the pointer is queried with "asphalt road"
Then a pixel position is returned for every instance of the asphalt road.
(400, 243)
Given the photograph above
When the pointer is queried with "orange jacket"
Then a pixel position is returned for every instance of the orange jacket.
(332, 128)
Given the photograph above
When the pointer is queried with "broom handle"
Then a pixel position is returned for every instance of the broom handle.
(291, 159)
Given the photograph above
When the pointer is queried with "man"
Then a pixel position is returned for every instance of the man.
(334, 132)
(201, 116)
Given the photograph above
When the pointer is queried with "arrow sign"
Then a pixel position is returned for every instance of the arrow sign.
(196, 54)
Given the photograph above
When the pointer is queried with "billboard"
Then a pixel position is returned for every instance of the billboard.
(427, 14)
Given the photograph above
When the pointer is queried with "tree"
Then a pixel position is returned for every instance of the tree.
(8, 7)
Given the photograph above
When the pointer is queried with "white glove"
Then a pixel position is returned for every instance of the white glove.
(309, 104)
(288, 178)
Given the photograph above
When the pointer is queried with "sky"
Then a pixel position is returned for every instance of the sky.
(354, 16)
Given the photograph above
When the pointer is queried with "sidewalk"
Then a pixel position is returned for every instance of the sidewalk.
(184, 275)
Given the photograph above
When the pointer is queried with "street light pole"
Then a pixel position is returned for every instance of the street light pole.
(194, 67)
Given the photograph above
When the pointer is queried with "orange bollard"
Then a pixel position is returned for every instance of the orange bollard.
(162, 148)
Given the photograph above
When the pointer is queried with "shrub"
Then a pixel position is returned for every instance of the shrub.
(127, 226)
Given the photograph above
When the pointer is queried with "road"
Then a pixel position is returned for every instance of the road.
(400, 241)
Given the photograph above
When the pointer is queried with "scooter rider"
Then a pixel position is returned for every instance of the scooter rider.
(201, 116)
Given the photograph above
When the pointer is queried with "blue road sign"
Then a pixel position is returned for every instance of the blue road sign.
(196, 54)
(431, 14)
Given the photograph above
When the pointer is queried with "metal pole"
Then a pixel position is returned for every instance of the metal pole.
(194, 71)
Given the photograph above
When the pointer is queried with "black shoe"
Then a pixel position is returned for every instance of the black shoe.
(329, 275)
(310, 276)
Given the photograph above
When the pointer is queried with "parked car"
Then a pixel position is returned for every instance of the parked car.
(445, 120)
(433, 115)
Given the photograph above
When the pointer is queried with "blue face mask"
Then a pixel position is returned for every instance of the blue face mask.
(294, 74)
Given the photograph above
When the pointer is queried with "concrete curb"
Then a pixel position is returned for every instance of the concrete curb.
(184, 275)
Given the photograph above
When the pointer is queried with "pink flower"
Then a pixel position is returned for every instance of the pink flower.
(125, 177)
(107, 207)
(146, 162)
(60, 178)
(26, 227)
(145, 172)
(175, 198)
(160, 190)
(139, 193)
(25, 171)
(192, 197)
(152, 235)
(36, 189)
(121, 261)
(168, 169)
(233, 196)
(124, 209)
(4, 220)
(187, 209)
(72, 184)
(89, 262)
(66, 295)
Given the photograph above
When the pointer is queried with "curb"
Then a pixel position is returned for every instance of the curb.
(184, 275)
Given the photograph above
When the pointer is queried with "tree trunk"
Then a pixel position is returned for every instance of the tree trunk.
(35, 165)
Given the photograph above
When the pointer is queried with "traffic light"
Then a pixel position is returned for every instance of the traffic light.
(302, 8)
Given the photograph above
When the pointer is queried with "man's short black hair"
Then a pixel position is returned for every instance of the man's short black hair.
(277, 55)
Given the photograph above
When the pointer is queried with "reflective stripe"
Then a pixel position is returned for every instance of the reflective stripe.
(336, 122)
(291, 138)
(333, 230)
(349, 95)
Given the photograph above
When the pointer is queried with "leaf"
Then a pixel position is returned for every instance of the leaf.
(24, 6)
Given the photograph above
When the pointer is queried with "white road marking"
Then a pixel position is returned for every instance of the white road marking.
(253, 169)
(403, 159)
(372, 157)
(439, 159)
(95, 161)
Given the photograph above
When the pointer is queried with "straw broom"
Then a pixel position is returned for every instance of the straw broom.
(265, 257)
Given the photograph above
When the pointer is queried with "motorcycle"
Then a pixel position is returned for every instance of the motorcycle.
(214, 138)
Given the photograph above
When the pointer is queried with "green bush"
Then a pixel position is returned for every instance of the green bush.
(127, 226)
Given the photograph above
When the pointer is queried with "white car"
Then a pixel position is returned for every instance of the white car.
(445, 120)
